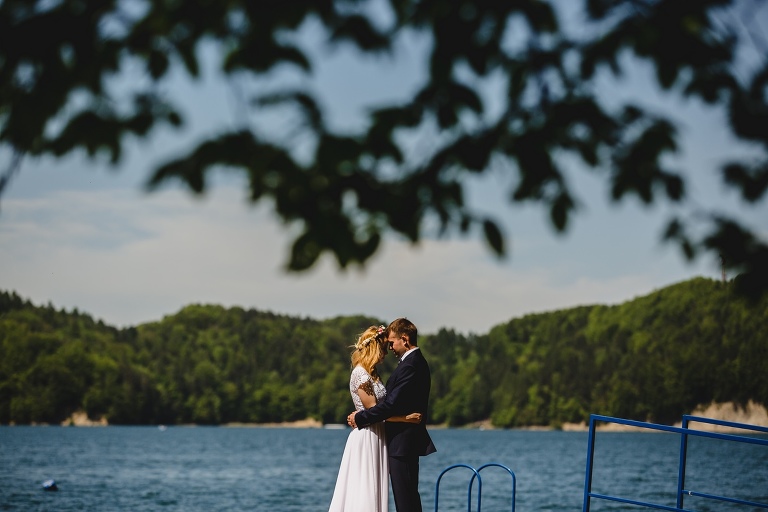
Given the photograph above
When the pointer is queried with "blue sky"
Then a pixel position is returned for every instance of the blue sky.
(80, 233)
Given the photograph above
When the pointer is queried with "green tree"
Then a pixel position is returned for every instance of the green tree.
(652, 358)
(509, 85)
(467, 398)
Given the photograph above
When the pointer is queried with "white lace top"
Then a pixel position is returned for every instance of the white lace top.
(360, 377)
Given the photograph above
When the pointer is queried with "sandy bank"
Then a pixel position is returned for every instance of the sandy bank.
(81, 419)
(307, 423)
(752, 414)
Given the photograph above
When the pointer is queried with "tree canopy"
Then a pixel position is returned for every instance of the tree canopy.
(653, 358)
(59, 59)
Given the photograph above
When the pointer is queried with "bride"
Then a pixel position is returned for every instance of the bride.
(362, 483)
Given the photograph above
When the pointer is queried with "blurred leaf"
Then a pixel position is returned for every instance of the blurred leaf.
(447, 100)
(233, 149)
(335, 152)
(260, 56)
(748, 109)
(493, 236)
(637, 165)
(158, 63)
(303, 100)
(674, 186)
(359, 30)
(675, 231)
(562, 206)
(304, 253)
(474, 153)
(743, 253)
(753, 182)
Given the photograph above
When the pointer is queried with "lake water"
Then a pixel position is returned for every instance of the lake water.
(283, 469)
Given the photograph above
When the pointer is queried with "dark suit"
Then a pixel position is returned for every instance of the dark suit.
(407, 392)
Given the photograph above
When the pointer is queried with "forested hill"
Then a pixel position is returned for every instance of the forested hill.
(652, 358)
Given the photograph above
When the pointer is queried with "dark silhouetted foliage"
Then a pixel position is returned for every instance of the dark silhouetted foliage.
(508, 85)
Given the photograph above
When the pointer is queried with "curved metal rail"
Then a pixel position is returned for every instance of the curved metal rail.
(475, 474)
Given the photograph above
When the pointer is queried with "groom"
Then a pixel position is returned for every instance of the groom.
(407, 392)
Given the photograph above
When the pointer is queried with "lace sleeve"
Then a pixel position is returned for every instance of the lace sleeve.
(359, 378)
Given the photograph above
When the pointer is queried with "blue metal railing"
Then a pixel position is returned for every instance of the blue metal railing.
(475, 474)
(684, 432)
(681, 491)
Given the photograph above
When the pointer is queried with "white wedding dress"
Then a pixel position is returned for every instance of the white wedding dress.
(362, 484)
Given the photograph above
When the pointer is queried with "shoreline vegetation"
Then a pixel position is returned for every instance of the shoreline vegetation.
(654, 358)
(751, 414)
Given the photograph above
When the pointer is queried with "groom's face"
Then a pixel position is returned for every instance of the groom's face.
(397, 344)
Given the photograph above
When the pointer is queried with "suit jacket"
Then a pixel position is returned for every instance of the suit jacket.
(407, 392)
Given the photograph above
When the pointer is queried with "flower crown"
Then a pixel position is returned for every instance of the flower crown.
(367, 341)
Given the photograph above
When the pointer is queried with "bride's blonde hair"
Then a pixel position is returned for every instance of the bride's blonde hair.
(368, 349)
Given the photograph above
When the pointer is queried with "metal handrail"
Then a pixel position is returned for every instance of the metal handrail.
(475, 474)
(681, 491)
(512, 474)
(469, 490)
(684, 432)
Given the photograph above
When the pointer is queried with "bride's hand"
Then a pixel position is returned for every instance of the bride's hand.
(414, 417)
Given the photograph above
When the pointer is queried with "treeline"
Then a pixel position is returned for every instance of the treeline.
(652, 358)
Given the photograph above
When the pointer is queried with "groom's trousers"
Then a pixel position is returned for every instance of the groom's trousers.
(404, 475)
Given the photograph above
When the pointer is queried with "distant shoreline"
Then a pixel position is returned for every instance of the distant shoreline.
(752, 414)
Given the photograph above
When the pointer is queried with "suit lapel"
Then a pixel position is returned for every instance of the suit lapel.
(393, 377)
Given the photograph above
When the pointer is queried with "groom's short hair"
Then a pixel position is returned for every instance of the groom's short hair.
(404, 327)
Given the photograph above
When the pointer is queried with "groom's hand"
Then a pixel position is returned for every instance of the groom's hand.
(351, 420)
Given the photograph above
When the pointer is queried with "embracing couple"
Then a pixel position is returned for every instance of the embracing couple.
(389, 424)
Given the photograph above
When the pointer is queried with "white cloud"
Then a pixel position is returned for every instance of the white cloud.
(129, 259)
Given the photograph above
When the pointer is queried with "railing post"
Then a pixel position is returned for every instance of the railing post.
(682, 463)
(588, 472)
